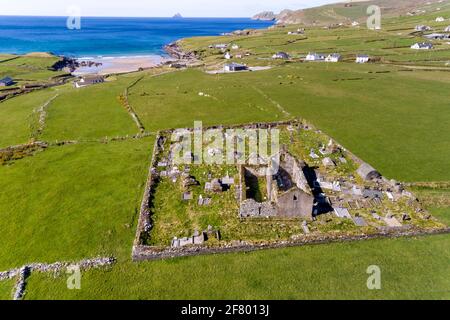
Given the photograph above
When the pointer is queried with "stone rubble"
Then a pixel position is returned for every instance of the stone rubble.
(42, 113)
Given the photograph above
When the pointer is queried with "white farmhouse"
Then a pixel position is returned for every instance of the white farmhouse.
(315, 57)
(228, 56)
(422, 28)
(89, 80)
(362, 58)
(440, 19)
(220, 46)
(334, 57)
(422, 46)
(234, 67)
(280, 55)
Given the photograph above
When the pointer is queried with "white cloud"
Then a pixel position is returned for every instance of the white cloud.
(153, 8)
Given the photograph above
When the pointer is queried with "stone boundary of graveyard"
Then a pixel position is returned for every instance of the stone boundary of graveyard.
(25, 271)
(145, 223)
(141, 251)
(148, 253)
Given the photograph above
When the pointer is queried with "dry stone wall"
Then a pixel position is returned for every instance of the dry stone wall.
(25, 271)
(141, 251)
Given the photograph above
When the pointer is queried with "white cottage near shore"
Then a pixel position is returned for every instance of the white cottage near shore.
(89, 80)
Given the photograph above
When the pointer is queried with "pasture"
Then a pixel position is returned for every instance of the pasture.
(81, 200)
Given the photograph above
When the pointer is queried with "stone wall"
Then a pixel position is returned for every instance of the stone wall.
(295, 203)
(141, 252)
(145, 253)
(295, 169)
(21, 151)
(145, 222)
(25, 271)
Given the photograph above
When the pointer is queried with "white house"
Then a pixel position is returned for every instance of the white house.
(362, 58)
(280, 55)
(447, 29)
(235, 47)
(234, 67)
(422, 28)
(228, 56)
(437, 36)
(440, 19)
(220, 46)
(315, 57)
(89, 80)
(355, 23)
(334, 57)
(422, 46)
(299, 31)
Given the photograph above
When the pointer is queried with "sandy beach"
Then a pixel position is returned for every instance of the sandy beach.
(110, 65)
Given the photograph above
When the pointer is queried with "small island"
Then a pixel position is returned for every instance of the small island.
(178, 16)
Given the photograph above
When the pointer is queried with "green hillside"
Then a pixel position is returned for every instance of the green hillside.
(80, 199)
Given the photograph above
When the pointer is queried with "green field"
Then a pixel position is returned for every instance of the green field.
(411, 269)
(81, 200)
(89, 113)
(16, 116)
(6, 289)
(72, 202)
(28, 68)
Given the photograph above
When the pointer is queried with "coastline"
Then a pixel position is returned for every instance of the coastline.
(157, 42)
(116, 65)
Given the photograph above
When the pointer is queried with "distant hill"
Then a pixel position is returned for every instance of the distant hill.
(178, 16)
(265, 16)
(353, 11)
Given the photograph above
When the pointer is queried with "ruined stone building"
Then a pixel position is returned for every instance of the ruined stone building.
(286, 194)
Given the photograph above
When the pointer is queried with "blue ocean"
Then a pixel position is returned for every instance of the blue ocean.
(109, 36)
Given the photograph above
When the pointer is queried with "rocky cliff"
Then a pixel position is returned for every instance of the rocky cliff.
(265, 16)
(348, 11)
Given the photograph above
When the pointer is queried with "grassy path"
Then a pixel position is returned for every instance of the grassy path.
(276, 104)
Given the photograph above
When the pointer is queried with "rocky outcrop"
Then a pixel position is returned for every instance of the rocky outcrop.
(175, 51)
(70, 64)
(265, 16)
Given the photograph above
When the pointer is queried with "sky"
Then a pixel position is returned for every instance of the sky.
(153, 8)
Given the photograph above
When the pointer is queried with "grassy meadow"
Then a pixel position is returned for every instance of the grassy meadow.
(16, 116)
(6, 289)
(28, 68)
(89, 113)
(72, 202)
(81, 200)
(411, 269)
